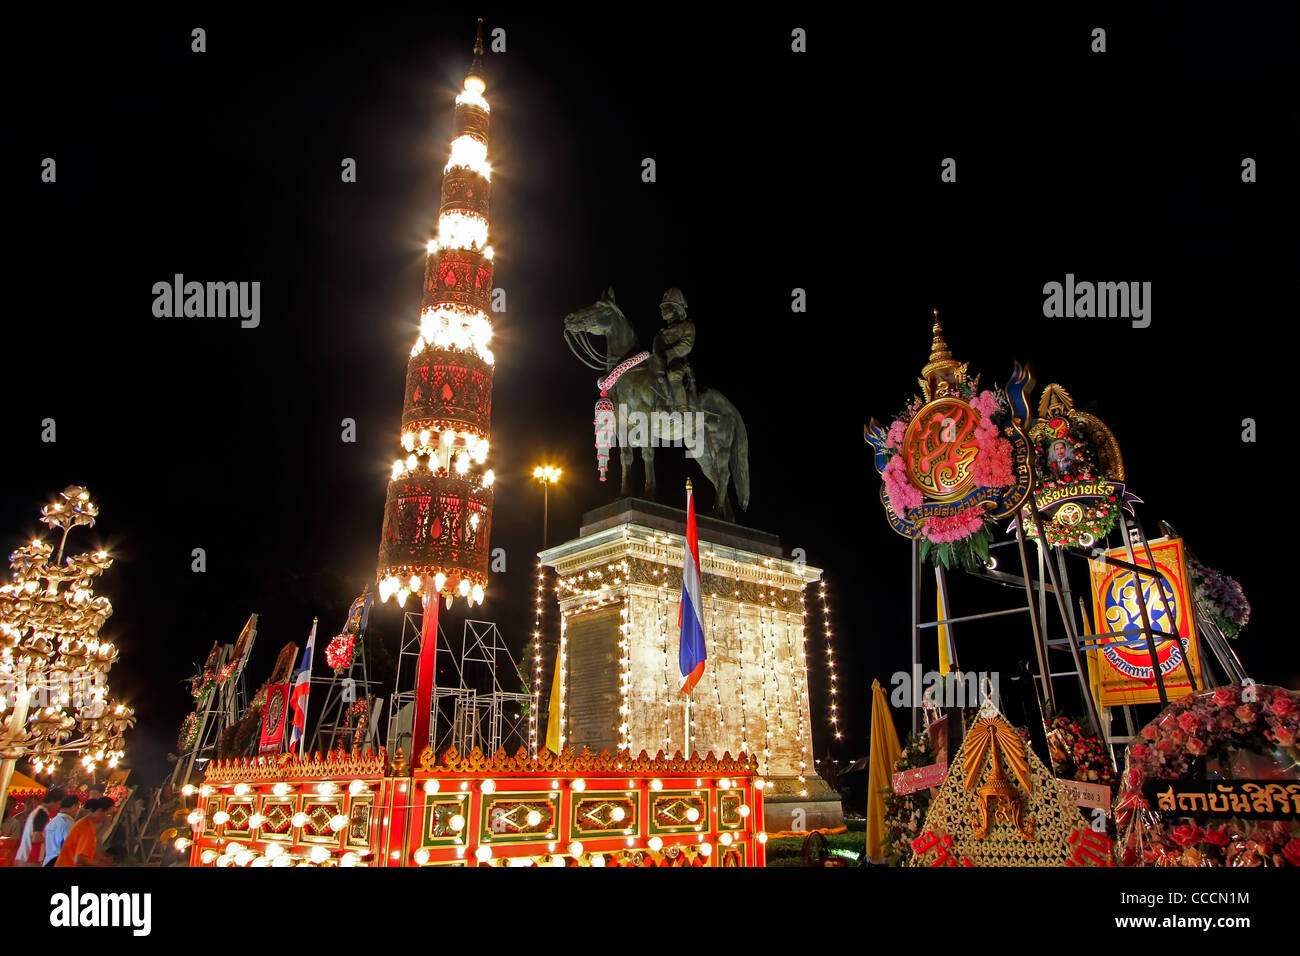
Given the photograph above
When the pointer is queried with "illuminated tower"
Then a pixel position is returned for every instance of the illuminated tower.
(437, 517)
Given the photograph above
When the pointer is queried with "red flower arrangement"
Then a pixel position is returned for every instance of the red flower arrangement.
(339, 652)
(1077, 754)
(1175, 746)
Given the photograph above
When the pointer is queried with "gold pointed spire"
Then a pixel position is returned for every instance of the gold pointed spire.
(476, 68)
(942, 371)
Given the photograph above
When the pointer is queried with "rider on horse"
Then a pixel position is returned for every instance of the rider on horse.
(672, 345)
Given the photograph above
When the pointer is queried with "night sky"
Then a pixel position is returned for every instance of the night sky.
(776, 170)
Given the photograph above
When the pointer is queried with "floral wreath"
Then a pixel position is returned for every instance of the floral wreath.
(1079, 522)
(905, 813)
(982, 473)
(189, 731)
(1221, 597)
(358, 711)
(1079, 492)
(1175, 746)
(339, 652)
(1077, 754)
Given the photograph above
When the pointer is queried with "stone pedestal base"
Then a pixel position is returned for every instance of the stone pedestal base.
(785, 810)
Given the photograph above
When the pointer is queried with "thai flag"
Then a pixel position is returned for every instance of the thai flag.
(301, 688)
(690, 654)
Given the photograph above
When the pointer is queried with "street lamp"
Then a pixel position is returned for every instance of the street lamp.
(546, 475)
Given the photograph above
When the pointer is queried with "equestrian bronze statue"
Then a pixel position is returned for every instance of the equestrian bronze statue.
(655, 399)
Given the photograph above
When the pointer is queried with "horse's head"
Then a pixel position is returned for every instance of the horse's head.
(597, 318)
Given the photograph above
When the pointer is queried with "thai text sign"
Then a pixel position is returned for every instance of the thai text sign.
(1086, 794)
(919, 778)
(1248, 799)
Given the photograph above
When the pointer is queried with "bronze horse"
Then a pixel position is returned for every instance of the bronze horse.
(723, 452)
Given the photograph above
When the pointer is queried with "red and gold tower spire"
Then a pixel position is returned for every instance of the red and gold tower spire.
(438, 513)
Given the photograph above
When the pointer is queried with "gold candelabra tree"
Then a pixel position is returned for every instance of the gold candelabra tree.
(53, 663)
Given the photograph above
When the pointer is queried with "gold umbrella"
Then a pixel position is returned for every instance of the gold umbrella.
(884, 754)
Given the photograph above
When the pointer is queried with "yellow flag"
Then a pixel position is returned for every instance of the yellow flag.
(945, 664)
(884, 754)
(553, 711)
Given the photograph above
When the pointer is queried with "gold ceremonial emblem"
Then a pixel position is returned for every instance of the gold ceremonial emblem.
(1069, 514)
(940, 448)
(1008, 803)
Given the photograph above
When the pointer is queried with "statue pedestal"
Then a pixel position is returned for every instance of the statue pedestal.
(619, 590)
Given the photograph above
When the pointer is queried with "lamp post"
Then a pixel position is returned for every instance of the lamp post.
(546, 475)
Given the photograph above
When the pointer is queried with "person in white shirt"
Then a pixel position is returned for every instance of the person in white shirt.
(56, 831)
(31, 851)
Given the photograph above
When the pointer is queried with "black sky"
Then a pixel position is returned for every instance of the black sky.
(775, 171)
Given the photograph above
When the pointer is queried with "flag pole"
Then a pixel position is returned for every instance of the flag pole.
(686, 738)
(302, 741)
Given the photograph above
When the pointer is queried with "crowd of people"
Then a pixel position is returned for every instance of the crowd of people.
(63, 831)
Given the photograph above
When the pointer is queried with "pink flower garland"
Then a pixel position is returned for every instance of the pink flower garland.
(903, 495)
(954, 527)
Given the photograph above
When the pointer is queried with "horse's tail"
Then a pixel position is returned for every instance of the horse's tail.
(740, 463)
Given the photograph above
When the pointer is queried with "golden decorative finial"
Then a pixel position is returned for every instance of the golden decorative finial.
(398, 764)
(476, 68)
(688, 484)
(942, 372)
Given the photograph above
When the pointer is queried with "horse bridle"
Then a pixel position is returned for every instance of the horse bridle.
(579, 342)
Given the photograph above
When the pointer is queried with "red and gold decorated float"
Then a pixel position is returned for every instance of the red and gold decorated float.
(575, 809)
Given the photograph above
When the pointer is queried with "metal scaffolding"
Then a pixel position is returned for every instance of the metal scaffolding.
(470, 707)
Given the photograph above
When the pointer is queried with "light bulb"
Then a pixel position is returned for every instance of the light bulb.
(483, 854)
(421, 856)
(338, 822)
(534, 818)
(579, 785)
(655, 843)
(299, 819)
(220, 818)
(456, 823)
(349, 859)
(280, 789)
(692, 814)
(357, 787)
(431, 786)
(575, 848)
(617, 814)
(762, 838)
(706, 849)
(743, 809)
(319, 854)
(488, 786)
